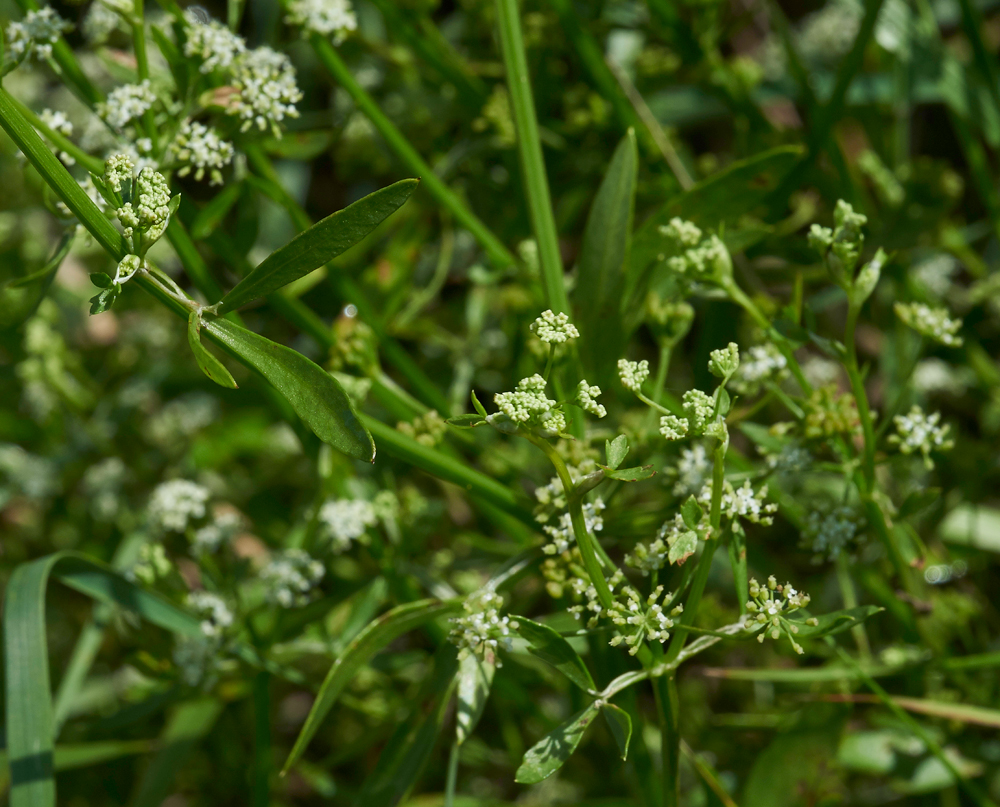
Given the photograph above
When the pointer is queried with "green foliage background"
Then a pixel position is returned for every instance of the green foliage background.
(750, 119)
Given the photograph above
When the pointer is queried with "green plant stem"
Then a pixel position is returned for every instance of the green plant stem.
(861, 397)
(850, 599)
(529, 147)
(142, 64)
(498, 254)
(262, 737)
(584, 540)
(452, 777)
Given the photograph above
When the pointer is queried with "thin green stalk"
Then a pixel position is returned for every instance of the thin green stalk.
(529, 147)
(497, 252)
(670, 737)
(142, 64)
(262, 735)
(850, 599)
(860, 397)
(452, 778)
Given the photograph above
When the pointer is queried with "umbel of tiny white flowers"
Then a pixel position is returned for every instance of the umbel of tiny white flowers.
(554, 328)
(323, 17)
(481, 630)
(290, 578)
(701, 260)
(199, 148)
(917, 431)
(642, 621)
(768, 604)
(934, 323)
(527, 407)
(35, 35)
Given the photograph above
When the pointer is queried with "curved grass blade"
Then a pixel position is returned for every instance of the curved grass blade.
(552, 648)
(550, 753)
(603, 255)
(314, 394)
(209, 365)
(20, 296)
(29, 726)
(320, 244)
(370, 641)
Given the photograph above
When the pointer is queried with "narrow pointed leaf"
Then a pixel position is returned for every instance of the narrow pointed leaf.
(314, 394)
(551, 752)
(603, 256)
(550, 647)
(475, 677)
(320, 244)
(209, 365)
(370, 641)
(29, 724)
(620, 724)
(832, 623)
(20, 296)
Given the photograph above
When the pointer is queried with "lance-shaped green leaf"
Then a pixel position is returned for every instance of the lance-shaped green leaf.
(366, 644)
(314, 394)
(320, 244)
(29, 725)
(550, 647)
(603, 255)
(620, 724)
(475, 677)
(209, 365)
(615, 450)
(551, 752)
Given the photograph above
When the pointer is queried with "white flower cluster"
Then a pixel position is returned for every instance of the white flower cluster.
(215, 614)
(827, 35)
(742, 502)
(917, 431)
(212, 42)
(933, 323)
(126, 103)
(760, 363)
(263, 79)
(682, 233)
(290, 578)
(151, 211)
(554, 328)
(562, 534)
(528, 405)
(829, 533)
(58, 122)
(35, 34)
(583, 586)
(693, 468)
(345, 521)
(586, 396)
(767, 606)
(198, 147)
(99, 23)
(700, 259)
(221, 530)
(266, 90)
(481, 630)
(175, 503)
(323, 17)
(633, 374)
(699, 411)
(642, 621)
(724, 362)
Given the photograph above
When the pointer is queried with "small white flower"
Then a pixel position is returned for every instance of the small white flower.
(482, 630)
(199, 147)
(673, 427)
(290, 578)
(562, 536)
(220, 531)
(683, 233)
(642, 621)
(216, 616)
(323, 17)
(916, 431)
(173, 504)
(586, 396)
(212, 42)
(933, 323)
(529, 406)
(693, 468)
(57, 121)
(760, 363)
(126, 103)
(266, 92)
(35, 34)
(633, 373)
(724, 362)
(554, 328)
(345, 521)
(768, 606)
(99, 23)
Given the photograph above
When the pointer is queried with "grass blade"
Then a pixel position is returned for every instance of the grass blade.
(370, 641)
(529, 148)
(321, 243)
